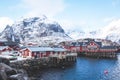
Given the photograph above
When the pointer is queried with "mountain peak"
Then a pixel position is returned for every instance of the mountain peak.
(34, 29)
(33, 19)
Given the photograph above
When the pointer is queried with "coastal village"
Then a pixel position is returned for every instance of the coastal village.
(33, 57)
(93, 47)
(87, 47)
(60, 40)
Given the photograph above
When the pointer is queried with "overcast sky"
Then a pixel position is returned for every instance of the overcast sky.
(78, 14)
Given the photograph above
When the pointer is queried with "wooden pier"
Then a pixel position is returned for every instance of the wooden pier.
(99, 55)
(39, 63)
(64, 60)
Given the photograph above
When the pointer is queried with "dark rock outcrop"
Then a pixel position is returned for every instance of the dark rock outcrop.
(8, 73)
(3, 75)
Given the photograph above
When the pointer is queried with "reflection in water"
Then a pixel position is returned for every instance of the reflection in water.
(85, 69)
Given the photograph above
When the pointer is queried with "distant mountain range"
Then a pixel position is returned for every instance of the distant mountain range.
(113, 31)
(82, 34)
(41, 30)
(109, 32)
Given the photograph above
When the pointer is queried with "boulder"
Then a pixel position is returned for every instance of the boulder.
(8, 70)
(11, 72)
(3, 75)
(4, 60)
(21, 75)
(5, 67)
(18, 76)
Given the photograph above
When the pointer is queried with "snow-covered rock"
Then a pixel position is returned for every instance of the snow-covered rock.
(42, 31)
(112, 31)
(35, 29)
(81, 34)
(108, 32)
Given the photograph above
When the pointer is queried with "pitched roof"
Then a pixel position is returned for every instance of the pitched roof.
(99, 43)
(3, 47)
(76, 43)
(59, 49)
(36, 48)
(108, 47)
(40, 48)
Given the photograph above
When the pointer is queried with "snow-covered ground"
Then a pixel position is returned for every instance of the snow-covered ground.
(19, 58)
(11, 56)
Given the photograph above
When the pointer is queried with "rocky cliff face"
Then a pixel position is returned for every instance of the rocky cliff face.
(36, 29)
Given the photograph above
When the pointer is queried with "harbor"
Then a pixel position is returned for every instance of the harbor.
(70, 66)
(30, 66)
(38, 61)
(85, 68)
(60, 40)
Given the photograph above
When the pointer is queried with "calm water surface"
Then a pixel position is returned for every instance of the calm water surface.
(85, 69)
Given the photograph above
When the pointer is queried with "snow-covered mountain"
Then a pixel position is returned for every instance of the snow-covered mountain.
(36, 29)
(112, 31)
(109, 32)
(76, 34)
(41, 30)
(82, 34)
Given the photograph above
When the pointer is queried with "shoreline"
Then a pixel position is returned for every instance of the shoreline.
(32, 66)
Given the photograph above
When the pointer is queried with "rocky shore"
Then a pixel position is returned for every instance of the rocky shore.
(20, 70)
(36, 64)
(9, 73)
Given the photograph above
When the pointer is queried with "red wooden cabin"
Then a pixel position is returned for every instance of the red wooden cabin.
(40, 52)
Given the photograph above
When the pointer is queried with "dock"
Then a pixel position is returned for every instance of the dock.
(39, 63)
(101, 55)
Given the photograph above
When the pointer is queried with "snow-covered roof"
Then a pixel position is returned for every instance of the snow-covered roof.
(108, 47)
(3, 47)
(3, 40)
(46, 49)
(18, 59)
(59, 49)
(40, 48)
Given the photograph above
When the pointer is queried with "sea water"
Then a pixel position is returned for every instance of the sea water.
(84, 69)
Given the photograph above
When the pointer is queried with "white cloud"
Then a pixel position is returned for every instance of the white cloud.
(46, 7)
(66, 24)
(70, 25)
(50, 8)
(5, 21)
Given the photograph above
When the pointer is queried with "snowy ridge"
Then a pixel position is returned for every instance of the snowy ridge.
(82, 34)
(112, 31)
(35, 29)
(109, 32)
(41, 30)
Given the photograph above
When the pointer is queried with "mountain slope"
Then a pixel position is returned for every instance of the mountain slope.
(41, 30)
(76, 34)
(36, 29)
(112, 31)
(109, 32)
